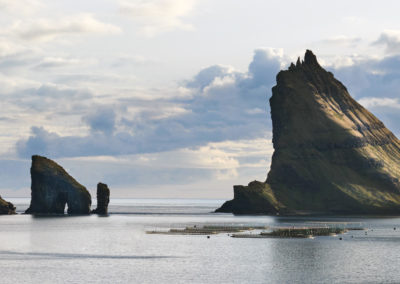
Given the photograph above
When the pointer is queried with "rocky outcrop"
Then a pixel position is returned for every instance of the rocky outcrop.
(103, 198)
(53, 188)
(257, 196)
(6, 208)
(331, 155)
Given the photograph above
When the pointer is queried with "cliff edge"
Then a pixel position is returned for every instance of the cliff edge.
(331, 155)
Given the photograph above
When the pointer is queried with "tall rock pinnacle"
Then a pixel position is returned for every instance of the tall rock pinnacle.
(331, 154)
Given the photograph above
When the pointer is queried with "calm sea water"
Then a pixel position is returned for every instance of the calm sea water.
(116, 249)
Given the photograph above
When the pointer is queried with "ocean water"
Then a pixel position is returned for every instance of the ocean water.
(116, 249)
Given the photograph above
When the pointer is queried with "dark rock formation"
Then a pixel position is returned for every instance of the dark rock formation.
(256, 195)
(6, 208)
(52, 188)
(331, 154)
(103, 198)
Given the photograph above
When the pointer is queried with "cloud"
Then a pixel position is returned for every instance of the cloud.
(391, 40)
(51, 97)
(342, 40)
(222, 104)
(46, 29)
(371, 77)
(12, 84)
(101, 120)
(380, 102)
(24, 7)
(206, 76)
(158, 16)
(265, 63)
(60, 62)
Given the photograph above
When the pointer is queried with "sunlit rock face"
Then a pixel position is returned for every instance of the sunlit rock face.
(6, 208)
(331, 155)
(53, 188)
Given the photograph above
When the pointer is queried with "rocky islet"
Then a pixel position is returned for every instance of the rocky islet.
(53, 189)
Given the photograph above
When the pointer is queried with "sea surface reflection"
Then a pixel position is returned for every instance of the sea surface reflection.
(116, 249)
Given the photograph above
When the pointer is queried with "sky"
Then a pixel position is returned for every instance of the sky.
(169, 98)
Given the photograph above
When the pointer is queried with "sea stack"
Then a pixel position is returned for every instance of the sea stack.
(331, 155)
(53, 188)
(103, 198)
(6, 208)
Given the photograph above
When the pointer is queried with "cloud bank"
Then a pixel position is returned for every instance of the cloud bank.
(158, 16)
(220, 104)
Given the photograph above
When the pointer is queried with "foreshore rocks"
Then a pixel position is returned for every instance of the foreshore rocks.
(6, 208)
(52, 188)
(103, 198)
(331, 155)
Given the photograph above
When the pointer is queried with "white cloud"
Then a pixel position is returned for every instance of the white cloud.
(60, 62)
(220, 83)
(158, 16)
(342, 40)
(222, 105)
(24, 7)
(391, 40)
(9, 48)
(10, 84)
(46, 29)
(380, 102)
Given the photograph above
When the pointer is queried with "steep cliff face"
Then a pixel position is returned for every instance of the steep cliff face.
(103, 198)
(52, 188)
(331, 155)
(6, 208)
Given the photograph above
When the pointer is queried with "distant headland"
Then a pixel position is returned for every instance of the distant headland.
(331, 155)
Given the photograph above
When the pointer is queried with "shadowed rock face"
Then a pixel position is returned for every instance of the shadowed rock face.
(52, 188)
(331, 154)
(103, 198)
(6, 208)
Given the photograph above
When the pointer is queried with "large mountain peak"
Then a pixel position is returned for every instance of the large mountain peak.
(331, 154)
